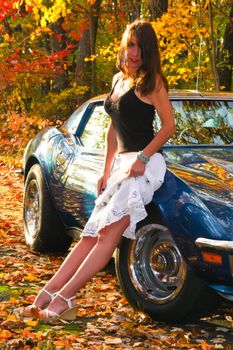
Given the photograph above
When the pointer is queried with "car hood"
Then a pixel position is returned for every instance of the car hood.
(208, 171)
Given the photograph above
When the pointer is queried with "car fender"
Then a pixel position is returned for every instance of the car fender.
(40, 150)
(187, 218)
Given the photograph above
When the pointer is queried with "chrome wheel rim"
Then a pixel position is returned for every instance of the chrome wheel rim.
(157, 269)
(31, 210)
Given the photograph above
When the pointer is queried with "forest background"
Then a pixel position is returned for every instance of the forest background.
(54, 54)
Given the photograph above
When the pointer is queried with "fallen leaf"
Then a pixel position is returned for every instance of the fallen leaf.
(13, 324)
(32, 323)
(5, 334)
(113, 341)
(31, 278)
(205, 346)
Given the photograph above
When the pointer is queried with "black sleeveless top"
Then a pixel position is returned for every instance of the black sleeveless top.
(132, 120)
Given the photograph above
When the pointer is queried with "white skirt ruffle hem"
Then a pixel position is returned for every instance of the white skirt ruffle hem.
(126, 195)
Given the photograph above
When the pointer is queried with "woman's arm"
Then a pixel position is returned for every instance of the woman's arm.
(110, 152)
(159, 99)
(110, 149)
(111, 140)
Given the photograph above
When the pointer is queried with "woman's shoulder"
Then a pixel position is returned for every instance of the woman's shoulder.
(160, 90)
(159, 83)
(116, 77)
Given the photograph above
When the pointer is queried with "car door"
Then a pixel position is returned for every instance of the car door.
(87, 164)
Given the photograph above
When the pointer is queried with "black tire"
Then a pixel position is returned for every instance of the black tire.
(44, 232)
(155, 278)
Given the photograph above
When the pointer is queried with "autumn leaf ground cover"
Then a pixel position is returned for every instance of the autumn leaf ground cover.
(104, 319)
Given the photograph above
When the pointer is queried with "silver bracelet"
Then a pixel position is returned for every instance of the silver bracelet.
(145, 159)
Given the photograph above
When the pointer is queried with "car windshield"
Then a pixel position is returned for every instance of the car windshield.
(73, 121)
(202, 122)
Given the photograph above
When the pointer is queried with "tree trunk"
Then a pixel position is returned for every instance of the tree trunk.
(214, 49)
(86, 71)
(84, 50)
(116, 9)
(157, 8)
(60, 82)
(135, 10)
(46, 44)
(225, 71)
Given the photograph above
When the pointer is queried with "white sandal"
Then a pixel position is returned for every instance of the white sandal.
(27, 311)
(67, 315)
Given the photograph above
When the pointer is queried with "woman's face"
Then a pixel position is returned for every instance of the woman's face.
(133, 55)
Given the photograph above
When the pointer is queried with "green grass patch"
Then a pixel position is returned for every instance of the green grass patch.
(6, 292)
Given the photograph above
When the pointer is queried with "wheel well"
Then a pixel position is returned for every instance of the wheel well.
(31, 161)
(154, 213)
(154, 216)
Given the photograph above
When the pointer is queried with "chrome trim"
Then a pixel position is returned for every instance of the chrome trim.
(231, 264)
(181, 94)
(214, 244)
(31, 210)
(226, 296)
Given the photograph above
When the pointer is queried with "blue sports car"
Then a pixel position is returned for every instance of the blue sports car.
(183, 254)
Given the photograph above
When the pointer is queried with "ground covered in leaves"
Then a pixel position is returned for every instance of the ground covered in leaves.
(104, 320)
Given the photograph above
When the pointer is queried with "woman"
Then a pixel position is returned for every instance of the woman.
(134, 168)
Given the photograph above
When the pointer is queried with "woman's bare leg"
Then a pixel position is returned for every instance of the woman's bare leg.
(97, 258)
(67, 269)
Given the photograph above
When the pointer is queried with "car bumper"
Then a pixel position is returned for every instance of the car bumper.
(226, 246)
(212, 252)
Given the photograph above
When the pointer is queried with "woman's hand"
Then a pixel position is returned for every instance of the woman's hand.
(102, 182)
(137, 168)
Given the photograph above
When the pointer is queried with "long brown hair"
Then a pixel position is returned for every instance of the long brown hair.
(149, 75)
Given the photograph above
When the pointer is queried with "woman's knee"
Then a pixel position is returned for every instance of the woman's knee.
(115, 229)
(88, 240)
(103, 235)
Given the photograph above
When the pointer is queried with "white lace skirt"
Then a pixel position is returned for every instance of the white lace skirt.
(126, 195)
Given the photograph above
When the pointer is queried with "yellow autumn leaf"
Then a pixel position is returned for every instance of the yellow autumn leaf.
(36, 16)
(182, 70)
(90, 58)
(29, 2)
(206, 4)
(11, 318)
(43, 22)
(59, 2)
(32, 323)
(6, 37)
(107, 311)
(16, 4)
(13, 300)
(31, 278)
